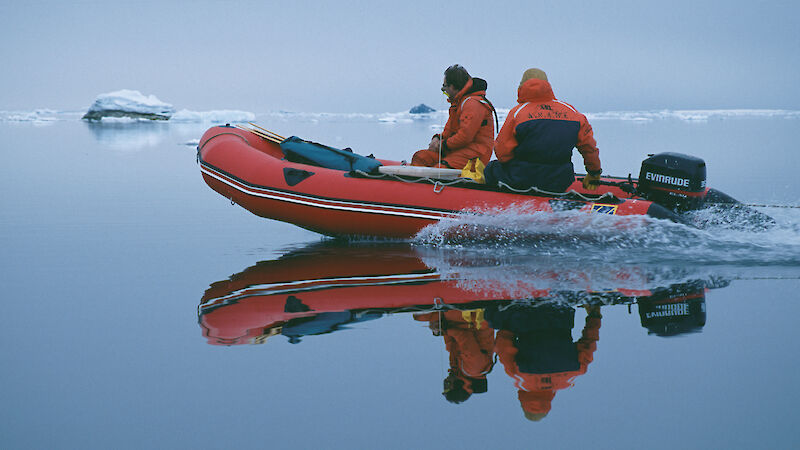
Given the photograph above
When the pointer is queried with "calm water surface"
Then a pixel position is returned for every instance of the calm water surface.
(144, 310)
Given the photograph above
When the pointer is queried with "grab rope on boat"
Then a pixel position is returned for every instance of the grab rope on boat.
(409, 179)
(572, 194)
(608, 196)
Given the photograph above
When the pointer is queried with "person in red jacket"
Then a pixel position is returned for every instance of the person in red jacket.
(469, 131)
(534, 146)
(470, 342)
(536, 349)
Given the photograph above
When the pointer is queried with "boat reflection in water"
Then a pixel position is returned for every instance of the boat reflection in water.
(520, 311)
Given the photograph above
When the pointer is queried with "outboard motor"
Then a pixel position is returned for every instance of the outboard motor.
(673, 180)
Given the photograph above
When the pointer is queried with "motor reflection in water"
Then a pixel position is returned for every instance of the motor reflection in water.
(517, 310)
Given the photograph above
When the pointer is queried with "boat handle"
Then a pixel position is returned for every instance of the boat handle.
(438, 187)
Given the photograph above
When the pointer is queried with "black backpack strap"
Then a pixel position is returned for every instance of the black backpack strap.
(486, 102)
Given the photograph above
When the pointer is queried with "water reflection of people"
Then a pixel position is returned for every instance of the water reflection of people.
(534, 344)
(470, 341)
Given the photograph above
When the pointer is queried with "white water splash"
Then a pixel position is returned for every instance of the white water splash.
(595, 238)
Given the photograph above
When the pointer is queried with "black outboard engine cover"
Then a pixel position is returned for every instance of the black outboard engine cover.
(673, 180)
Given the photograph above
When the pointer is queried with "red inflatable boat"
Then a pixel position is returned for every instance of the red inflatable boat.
(339, 193)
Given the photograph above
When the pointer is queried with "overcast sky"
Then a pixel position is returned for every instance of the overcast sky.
(372, 56)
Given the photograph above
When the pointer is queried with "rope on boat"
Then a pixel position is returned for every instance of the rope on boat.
(440, 150)
(533, 189)
(408, 179)
(608, 196)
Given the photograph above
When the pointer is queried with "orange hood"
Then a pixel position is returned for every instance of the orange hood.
(535, 90)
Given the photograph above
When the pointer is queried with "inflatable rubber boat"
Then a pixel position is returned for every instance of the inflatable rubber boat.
(337, 192)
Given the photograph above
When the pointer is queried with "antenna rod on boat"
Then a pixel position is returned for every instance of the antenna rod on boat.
(260, 134)
(264, 135)
(269, 132)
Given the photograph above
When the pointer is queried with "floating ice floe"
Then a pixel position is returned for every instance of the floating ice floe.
(129, 104)
(694, 115)
(38, 116)
(220, 116)
(395, 118)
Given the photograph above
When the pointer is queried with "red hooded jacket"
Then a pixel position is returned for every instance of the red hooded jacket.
(469, 131)
(541, 129)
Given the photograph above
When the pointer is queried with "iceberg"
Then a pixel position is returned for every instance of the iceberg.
(131, 104)
(38, 116)
(422, 108)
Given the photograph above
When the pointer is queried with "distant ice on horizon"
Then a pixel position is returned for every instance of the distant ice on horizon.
(218, 116)
(37, 116)
(128, 105)
(692, 114)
